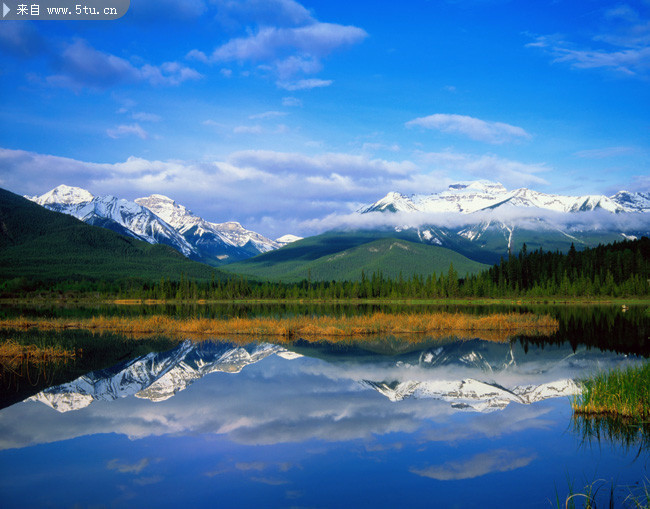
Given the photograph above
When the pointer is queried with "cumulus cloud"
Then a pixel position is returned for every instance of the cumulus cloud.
(474, 128)
(500, 460)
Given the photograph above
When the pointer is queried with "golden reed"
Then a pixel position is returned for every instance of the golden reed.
(14, 354)
(498, 326)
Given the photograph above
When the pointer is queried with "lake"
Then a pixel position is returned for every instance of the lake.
(374, 423)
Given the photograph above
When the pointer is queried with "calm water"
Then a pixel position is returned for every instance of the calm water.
(382, 424)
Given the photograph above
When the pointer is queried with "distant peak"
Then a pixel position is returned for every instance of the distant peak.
(65, 194)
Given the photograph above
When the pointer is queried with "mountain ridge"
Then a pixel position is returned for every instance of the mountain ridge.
(36, 242)
(158, 219)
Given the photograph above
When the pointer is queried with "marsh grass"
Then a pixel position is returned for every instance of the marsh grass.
(13, 354)
(496, 327)
(622, 393)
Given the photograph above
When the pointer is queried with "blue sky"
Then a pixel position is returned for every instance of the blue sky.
(275, 113)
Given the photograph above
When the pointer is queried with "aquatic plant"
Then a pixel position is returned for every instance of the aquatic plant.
(624, 393)
(591, 497)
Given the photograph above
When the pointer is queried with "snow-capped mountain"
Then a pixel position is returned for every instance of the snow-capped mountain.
(157, 376)
(160, 220)
(497, 220)
(483, 195)
(123, 216)
(220, 240)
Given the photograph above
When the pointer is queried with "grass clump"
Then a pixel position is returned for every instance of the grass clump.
(622, 393)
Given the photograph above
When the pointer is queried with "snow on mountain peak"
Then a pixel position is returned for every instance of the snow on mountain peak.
(480, 195)
(168, 210)
(184, 220)
(65, 195)
(287, 239)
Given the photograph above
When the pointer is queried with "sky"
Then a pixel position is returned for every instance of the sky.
(276, 113)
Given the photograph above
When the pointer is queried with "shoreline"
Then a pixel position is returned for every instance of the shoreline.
(388, 301)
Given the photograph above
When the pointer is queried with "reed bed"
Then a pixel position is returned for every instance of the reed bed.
(500, 326)
(14, 354)
(624, 393)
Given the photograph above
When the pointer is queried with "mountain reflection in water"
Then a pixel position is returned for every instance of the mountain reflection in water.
(476, 374)
(375, 424)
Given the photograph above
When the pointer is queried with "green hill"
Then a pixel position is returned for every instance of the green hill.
(40, 244)
(343, 256)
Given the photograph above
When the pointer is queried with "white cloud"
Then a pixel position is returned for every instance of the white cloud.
(622, 46)
(487, 166)
(315, 40)
(280, 192)
(146, 117)
(122, 131)
(297, 65)
(291, 101)
(474, 128)
(81, 65)
(304, 84)
(281, 37)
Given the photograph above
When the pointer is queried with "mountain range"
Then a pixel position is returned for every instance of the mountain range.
(500, 221)
(470, 224)
(37, 243)
(483, 195)
(158, 219)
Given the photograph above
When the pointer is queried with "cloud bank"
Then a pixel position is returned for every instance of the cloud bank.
(287, 192)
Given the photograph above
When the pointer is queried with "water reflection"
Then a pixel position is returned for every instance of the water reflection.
(464, 375)
(312, 424)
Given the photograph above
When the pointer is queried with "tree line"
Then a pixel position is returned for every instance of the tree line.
(615, 270)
